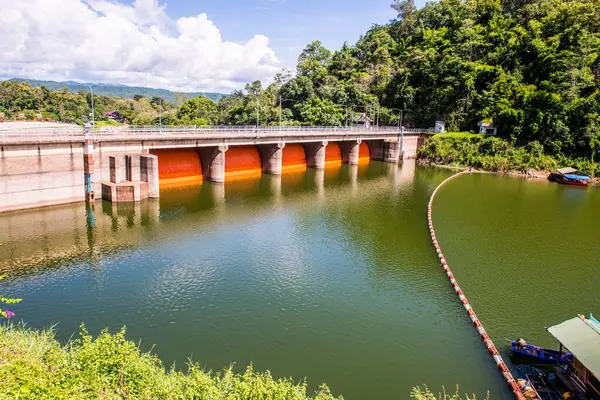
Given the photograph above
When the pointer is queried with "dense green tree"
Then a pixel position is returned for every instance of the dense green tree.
(199, 111)
(321, 112)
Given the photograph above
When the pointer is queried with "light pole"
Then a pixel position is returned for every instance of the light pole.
(399, 116)
(257, 112)
(160, 114)
(352, 110)
(93, 120)
(402, 129)
(376, 113)
(281, 109)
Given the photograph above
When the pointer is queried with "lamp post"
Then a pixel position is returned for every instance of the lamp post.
(351, 108)
(399, 116)
(93, 116)
(281, 109)
(376, 113)
(402, 129)
(257, 112)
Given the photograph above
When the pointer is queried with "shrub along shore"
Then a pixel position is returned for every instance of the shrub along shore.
(489, 153)
(34, 365)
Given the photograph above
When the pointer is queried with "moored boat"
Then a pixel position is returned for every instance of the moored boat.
(570, 176)
(522, 348)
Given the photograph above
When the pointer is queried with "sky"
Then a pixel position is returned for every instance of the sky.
(188, 45)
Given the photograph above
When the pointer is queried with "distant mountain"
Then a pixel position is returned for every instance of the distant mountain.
(118, 90)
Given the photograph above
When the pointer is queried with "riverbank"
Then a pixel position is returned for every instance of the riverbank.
(462, 150)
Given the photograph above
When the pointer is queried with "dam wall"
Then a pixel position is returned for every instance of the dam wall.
(49, 169)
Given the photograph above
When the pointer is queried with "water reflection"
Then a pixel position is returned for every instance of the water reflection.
(53, 236)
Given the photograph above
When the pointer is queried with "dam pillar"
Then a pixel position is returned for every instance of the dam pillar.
(213, 163)
(387, 150)
(315, 154)
(88, 165)
(149, 174)
(350, 152)
(117, 168)
(272, 158)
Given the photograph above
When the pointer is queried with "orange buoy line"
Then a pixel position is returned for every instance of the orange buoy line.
(508, 377)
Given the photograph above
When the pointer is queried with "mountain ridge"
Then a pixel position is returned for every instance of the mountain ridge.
(118, 90)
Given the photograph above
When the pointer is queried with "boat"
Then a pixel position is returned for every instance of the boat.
(522, 348)
(569, 176)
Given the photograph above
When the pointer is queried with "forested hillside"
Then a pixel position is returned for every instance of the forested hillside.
(529, 66)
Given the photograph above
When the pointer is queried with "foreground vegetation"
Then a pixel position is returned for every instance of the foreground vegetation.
(35, 365)
(496, 154)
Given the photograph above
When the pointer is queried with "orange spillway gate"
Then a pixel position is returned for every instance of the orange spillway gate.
(294, 158)
(242, 161)
(333, 154)
(178, 165)
(364, 153)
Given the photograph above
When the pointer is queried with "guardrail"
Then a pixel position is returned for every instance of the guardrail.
(133, 130)
(17, 135)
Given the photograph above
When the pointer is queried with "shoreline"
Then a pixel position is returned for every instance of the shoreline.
(527, 174)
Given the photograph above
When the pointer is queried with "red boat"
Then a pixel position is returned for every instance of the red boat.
(570, 176)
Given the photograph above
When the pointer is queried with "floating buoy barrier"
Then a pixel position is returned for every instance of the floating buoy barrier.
(489, 344)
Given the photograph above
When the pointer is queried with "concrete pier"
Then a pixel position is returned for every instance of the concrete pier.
(387, 150)
(351, 151)
(315, 154)
(149, 174)
(213, 163)
(125, 185)
(272, 158)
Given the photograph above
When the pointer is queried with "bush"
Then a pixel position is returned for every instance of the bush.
(35, 365)
(495, 154)
(50, 116)
(29, 114)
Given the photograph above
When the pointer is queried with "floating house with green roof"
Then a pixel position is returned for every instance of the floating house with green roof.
(581, 336)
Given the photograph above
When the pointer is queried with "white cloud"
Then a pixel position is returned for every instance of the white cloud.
(108, 41)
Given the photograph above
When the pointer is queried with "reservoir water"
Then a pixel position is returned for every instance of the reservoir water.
(324, 275)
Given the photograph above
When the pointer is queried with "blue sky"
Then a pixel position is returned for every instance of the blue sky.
(289, 24)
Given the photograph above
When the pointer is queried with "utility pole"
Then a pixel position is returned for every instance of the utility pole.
(280, 112)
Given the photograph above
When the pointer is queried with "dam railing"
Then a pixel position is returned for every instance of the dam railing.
(13, 131)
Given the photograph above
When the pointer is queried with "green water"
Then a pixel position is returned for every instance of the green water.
(325, 275)
(526, 252)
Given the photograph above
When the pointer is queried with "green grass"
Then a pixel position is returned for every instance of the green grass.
(34, 365)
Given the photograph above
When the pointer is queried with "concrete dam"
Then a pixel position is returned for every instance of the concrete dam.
(45, 167)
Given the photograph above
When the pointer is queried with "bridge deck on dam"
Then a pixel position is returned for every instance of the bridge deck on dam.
(40, 167)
